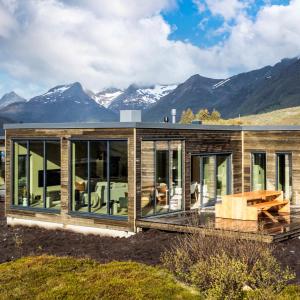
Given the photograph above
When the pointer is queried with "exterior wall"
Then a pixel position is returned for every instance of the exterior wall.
(195, 142)
(65, 217)
(2, 175)
(272, 142)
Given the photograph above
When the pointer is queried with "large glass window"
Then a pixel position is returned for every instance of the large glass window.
(284, 174)
(100, 177)
(258, 181)
(36, 172)
(162, 187)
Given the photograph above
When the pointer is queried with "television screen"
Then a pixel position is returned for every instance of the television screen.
(52, 177)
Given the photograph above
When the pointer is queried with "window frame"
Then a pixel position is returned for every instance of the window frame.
(27, 140)
(251, 167)
(90, 214)
(154, 140)
(229, 170)
(290, 153)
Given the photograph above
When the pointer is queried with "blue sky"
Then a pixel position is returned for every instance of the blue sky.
(114, 43)
(186, 21)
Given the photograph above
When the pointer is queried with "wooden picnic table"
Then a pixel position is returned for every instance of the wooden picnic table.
(248, 205)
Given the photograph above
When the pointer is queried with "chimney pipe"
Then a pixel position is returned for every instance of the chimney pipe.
(173, 113)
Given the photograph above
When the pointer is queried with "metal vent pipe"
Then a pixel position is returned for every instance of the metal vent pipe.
(173, 113)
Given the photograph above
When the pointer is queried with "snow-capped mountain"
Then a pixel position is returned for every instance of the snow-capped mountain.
(10, 98)
(106, 96)
(63, 103)
(137, 97)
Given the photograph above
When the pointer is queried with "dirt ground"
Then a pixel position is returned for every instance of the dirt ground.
(145, 247)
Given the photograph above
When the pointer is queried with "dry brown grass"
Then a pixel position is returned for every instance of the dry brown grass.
(286, 116)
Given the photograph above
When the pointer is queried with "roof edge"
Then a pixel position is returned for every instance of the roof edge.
(140, 125)
(145, 125)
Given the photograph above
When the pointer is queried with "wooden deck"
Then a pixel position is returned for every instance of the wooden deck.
(287, 227)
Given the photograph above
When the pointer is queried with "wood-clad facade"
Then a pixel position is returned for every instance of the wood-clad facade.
(147, 146)
(273, 142)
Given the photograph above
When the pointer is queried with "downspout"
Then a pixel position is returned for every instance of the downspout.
(242, 136)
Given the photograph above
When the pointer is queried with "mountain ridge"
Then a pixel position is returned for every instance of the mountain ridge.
(246, 93)
(256, 91)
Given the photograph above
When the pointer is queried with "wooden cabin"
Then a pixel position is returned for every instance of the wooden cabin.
(104, 177)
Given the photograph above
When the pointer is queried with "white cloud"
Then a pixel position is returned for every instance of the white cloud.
(274, 34)
(201, 6)
(228, 9)
(114, 43)
(7, 22)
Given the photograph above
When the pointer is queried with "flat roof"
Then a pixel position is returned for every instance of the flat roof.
(145, 125)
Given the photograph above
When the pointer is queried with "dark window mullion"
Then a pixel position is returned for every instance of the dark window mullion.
(44, 175)
(229, 174)
(169, 158)
(108, 177)
(28, 172)
(154, 177)
(215, 177)
(89, 177)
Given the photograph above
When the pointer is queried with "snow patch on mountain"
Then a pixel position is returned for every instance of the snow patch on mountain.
(106, 96)
(152, 94)
(215, 86)
(57, 90)
(140, 97)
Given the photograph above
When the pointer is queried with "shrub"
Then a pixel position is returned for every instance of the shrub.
(221, 267)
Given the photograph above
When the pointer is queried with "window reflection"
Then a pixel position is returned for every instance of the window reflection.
(36, 171)
(161, 177)
(258, 171)
(100, 177)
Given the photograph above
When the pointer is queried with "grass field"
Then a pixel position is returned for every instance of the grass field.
(287, 116)
(50, 277)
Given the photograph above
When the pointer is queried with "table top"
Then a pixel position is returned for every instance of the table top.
(264, 194)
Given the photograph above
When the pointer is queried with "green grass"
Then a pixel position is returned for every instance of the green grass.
(50, 277)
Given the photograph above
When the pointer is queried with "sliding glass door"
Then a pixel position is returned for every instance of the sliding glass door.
(162, 177)
(210, 179)
(284, 174)
(258, 181)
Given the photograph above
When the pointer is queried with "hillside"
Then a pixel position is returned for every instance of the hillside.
(286, 116)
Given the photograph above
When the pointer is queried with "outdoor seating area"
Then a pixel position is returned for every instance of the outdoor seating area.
(253, 215)
(247, 206)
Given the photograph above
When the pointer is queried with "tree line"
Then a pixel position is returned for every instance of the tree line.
(188, 116)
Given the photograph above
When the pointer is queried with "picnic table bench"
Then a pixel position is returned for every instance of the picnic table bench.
(248, 205)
